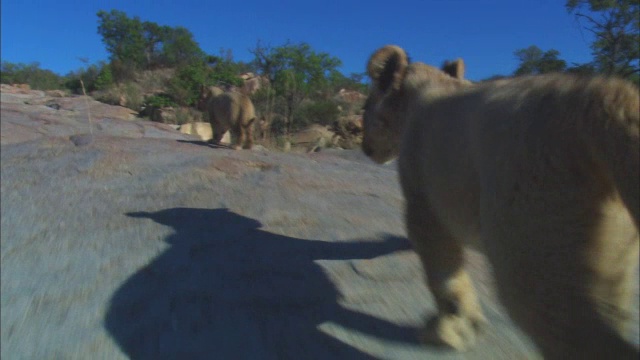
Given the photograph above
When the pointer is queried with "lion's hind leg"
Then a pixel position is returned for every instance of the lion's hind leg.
(564, 266)
(248, 131)
(460, 319)
(238, 136)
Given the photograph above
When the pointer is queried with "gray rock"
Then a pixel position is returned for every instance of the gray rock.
(147, 244)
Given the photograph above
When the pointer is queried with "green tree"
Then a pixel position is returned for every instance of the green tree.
(179, 47)
(154, 36)
(616, 27)
(134, 45)
(582, 69)
(104, 78)
(184, 87)
(354, 82)
(535, 61)
(123, 37)
(32, 74)
(296, 72)
(224, 71)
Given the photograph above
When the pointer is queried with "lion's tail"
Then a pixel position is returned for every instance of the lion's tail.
(614, 132)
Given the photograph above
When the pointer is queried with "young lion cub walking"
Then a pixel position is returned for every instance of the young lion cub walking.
(542, 172)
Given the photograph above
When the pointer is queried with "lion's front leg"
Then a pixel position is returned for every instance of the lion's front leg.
(460, 319)
(218, 130)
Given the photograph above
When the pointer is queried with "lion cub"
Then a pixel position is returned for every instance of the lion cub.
(228, 111)
(541, 172)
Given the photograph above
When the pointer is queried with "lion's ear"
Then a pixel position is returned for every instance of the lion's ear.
(454, 68)
(387, 67)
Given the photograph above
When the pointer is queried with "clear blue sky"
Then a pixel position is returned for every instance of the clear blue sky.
(484, 33)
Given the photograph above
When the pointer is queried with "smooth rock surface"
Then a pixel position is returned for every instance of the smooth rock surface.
(133, 240)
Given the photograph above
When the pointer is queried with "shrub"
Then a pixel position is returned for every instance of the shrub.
(128, 95)
(105, 78)
(323, 112)
(133, 96)
(187, 115)
(38, 79)
(160, 101)
(184, 87)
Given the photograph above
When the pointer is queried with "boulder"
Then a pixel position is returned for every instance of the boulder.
(133, 242)
(202, 130)
(313, 137)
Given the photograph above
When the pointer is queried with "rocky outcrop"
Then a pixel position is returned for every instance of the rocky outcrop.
(135, 241)
(252, 83)
(312, 138)
(348, 131)
(32, 114)
(350, 96)
(203, 131)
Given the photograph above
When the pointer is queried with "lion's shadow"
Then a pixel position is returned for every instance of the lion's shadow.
(206, 144)
(226, 289)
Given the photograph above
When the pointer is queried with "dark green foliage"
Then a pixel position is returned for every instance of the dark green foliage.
(105, 78)
(616, 26)
(38, 79)
(135, 45)
(296, 72)
(323, 112)
(122, 71)
(354, 82)
(179, 48)
(153, 35)
(535, 61)
(224, 71)
(494, 77)
(583, 69)
(95, 77)
(160, 101)
(123, 37)
(184, 87)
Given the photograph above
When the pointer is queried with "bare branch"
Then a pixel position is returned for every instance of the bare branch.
(591, 20)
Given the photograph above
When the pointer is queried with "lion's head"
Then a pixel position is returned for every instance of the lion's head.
(394, 83)
(207, 93)
(381, 138)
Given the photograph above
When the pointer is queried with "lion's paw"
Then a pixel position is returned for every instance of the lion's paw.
(459, 331)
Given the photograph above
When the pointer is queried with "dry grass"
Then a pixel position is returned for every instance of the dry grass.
(86, 100)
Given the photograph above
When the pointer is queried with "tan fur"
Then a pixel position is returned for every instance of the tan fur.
(542, 173)
(229, 111)
(454, 68)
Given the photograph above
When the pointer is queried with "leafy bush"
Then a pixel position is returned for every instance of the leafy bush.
(122, 71)
(136, 44)
(133, 96)
(278, 125)
(223, 71)
(323, 112)
(184, 87)
(94, 77)
(160, 101)
(128, 95)
(111, 96)
(187, 115)
(31, 74)
(105, 78)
